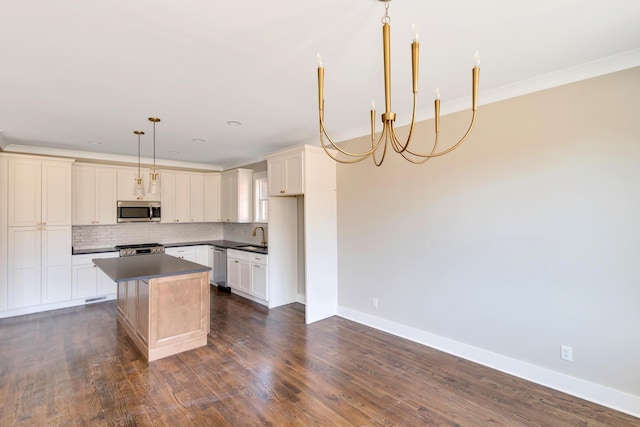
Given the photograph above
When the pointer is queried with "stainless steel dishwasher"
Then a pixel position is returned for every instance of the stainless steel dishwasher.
(219, 265)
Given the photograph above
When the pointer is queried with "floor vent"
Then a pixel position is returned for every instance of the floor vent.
(87, 301)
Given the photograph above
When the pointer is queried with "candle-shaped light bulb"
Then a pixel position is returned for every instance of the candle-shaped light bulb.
(414, 30)
(373, 105)
(438, 93)
(319, 59)
(476, 59)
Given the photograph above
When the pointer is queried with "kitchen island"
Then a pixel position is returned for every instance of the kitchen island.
(163, 302)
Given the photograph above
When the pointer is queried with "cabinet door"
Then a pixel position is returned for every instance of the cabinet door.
(229, 197)
(259, 280)
(276, 172)
(212, 190)
(168, 197)
(56, 263)
(122, 298)
(83, 204)
(196, 192)
(56, 193)
(106, 286)
(25, 201)
(25, 267)
(244, 276)
(233, 273)
(143, 318)
(125, 183)
(85, 281)
(106, 196)
(294, 174)
(183, 197)
(131, 302)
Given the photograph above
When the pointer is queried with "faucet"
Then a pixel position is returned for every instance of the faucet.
(264, 241)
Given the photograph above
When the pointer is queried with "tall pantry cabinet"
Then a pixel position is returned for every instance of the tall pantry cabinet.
(35, 230)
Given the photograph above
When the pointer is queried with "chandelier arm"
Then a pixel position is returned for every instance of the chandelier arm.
(453, 147)
(398, 146)
(385, 134)
(323, 131)
(326, 150)
(395, 142)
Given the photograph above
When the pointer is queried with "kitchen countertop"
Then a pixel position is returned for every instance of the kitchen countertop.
(146, 267)
(227, 244)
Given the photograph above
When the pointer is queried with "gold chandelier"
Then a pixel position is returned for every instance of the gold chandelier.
(388, 134)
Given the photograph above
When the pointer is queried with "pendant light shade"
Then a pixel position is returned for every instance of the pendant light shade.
(154, 181)
(138, 188)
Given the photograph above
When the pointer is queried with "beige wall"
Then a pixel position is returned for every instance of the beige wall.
(525, 238)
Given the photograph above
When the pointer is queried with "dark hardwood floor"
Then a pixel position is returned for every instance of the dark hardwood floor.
(76, 367)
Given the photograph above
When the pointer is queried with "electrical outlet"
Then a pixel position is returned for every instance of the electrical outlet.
(374, 302)
(566, 353)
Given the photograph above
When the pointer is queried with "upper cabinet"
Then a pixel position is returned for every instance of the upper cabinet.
(95, 195)
(212, 197)
(237, 195)
(286, 173)
(182, 197)
(39, 192)
(126, 180)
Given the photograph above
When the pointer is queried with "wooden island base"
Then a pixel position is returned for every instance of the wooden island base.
(165, 315)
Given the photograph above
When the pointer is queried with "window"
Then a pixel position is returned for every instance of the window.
(260, 197)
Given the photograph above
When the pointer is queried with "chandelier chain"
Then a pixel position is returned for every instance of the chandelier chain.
(386, 19)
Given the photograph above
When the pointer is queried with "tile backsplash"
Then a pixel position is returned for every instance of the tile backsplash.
(104, 236)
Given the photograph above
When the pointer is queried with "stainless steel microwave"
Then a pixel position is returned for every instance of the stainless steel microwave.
(138, 211)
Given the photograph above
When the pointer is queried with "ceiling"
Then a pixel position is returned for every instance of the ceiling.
(82, 75)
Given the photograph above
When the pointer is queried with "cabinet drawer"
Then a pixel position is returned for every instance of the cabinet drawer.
(236, 254)
(182, 252)
(86, 258)
(259, 258)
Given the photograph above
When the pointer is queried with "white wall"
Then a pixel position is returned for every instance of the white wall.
(525, 238)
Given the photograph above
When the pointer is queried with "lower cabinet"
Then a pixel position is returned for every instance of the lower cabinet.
(198, 253)
(39, 266)
(88, 281)
(165, 315)
(247, 275)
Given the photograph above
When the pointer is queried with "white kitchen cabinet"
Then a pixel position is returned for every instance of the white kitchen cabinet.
(182, 197)
(95, 195)
(202, 254)
(39, 265)
(286, 174)
(37, 225)
(237, 193)
(303, 235)
(259, 276)
(212, 197)
(196, 197)
(88, 281)
(247, 274)
(126, 181)
(183, 252)
(39, 192)
(239, 270)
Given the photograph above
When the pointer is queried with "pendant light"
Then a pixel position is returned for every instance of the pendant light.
(154, 182)
(138, 188)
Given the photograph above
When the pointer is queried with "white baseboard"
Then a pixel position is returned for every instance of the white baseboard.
(614, 399)
(55, 306)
